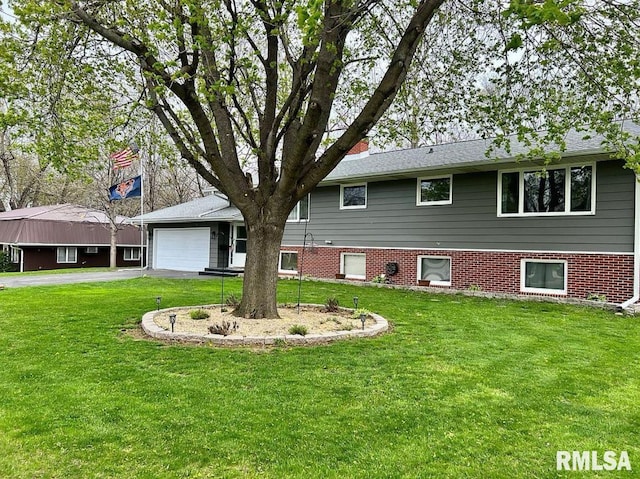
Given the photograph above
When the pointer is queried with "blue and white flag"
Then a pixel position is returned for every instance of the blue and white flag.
(130, 188)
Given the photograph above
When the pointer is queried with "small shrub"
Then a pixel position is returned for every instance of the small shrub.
(279, 342)
(298, 329)
(381, 278)
(224, 329)
(345, 327)
(331, 305)
(5, 262)
(597, 297)
(232, 300)
(474, 287)
(199, 314)
(356, 313)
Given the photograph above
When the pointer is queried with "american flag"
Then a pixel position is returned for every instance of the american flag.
(124, 158)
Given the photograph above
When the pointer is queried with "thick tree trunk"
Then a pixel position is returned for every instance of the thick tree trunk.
(113, 250)
(261, 271)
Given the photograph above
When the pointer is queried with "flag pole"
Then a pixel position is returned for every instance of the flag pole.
(142, 249)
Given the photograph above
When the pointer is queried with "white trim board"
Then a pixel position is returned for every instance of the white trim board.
(478, 250)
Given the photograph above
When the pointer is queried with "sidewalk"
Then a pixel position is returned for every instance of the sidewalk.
(68, 278)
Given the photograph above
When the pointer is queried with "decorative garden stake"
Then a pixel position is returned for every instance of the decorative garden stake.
(158, 299)
(355, 302)
(363, 318)
(172, 320)
(224, 265)
(304, 247)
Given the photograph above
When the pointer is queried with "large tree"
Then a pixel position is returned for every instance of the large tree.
(260, 79)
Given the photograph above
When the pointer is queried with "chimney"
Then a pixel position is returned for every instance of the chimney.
(359, 150)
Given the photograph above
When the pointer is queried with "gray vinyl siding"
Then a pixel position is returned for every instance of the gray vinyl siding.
(392, 219)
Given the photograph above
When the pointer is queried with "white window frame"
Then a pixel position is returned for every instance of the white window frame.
(67, 250)
(567, 191)
(356, 207)
(15, 254)
(286, 271)
(296, 209)
(353, 276)
(523, 276)
(131, 256)
(448, 201)
(430, 256)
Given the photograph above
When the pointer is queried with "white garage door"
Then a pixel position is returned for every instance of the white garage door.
(181, 249)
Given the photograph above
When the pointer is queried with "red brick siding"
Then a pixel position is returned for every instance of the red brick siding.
(604, 274)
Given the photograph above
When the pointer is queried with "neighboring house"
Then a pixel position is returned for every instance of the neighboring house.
(65, 236)
(203, 233)
(448, 215)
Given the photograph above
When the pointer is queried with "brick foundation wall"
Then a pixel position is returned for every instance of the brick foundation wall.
(610, 275)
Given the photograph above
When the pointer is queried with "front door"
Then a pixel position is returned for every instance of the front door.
(238, 246)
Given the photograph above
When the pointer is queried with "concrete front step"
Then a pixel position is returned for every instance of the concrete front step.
(226, 272)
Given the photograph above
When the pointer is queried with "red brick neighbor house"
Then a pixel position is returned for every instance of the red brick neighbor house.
(65, 236)
(448, 217)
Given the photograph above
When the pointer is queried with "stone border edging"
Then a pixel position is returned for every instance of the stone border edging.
(150, 327)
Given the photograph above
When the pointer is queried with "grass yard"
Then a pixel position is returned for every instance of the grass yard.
(55, 271)
(462, 387)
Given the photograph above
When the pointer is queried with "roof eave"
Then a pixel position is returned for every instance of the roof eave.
(457, 168)
(175, 220)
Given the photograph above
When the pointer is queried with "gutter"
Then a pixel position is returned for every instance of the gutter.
(636, 250)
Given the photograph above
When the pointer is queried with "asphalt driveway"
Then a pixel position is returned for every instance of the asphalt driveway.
(19, 281)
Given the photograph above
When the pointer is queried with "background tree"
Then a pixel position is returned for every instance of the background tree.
(58, 124)
(232, 77)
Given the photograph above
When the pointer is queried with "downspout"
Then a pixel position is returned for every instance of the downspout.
(636, 250)
(21, 257)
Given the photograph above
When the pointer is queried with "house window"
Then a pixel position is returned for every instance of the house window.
(288, 262)
(556, 191)
(434, 191)
(67, 254)
(543, 276)
(353, 196)
(436, 269)
(15, 255)
(91, 250)
(301, 211)
(354, 265)
(132, 254)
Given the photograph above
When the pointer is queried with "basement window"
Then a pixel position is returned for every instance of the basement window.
(354, 265)
(543, 276)
(288, 262)
(436, 269)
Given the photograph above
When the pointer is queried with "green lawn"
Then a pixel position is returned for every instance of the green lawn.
(56, 271)
(462, 387)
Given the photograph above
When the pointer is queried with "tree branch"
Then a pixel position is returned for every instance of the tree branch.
(379, 102)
